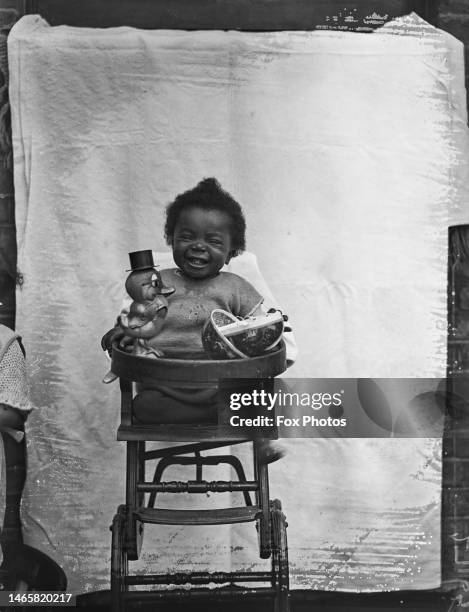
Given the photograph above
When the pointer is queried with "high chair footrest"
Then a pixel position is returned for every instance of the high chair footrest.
(220, 516)
(199, 593)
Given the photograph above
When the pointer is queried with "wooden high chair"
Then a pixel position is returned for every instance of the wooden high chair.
(127, 526)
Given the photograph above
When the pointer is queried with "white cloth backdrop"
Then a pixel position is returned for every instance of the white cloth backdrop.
(346, 152)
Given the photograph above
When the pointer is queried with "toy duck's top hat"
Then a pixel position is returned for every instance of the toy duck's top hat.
(141, 260)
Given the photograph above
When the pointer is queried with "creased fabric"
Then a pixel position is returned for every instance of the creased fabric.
(347, 153)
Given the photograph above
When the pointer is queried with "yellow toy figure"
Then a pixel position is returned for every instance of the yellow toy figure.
(149, 307)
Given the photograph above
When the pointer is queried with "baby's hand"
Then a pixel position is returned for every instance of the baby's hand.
(285, 317)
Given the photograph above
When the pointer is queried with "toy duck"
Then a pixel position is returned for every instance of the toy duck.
(147, 311)
(149, 307)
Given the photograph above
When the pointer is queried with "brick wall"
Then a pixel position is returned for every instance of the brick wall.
(453, 17)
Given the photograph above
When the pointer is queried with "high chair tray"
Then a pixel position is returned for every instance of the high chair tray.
(186, 371)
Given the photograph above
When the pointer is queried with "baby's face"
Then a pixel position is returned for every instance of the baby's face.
(202, 242)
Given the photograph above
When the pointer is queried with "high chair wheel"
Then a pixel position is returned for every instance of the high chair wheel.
(280, 557)
(119, 560)
(264, 527)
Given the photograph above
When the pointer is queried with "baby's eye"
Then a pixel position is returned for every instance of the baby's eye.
(216, 242)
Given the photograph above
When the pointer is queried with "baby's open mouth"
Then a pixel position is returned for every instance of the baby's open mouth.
(197, 262)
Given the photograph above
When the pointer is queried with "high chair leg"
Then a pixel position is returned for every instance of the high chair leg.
(134, 499)
(261, 474)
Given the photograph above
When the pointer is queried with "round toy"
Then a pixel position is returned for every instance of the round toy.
(226, 337)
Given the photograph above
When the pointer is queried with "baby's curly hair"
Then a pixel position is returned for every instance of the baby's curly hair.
(209, 195)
